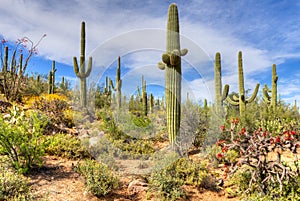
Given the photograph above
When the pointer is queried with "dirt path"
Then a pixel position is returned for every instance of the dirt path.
(57, 181)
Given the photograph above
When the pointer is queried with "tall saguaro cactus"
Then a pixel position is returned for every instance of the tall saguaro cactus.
(172, 66)
(219, 96)
(241, 100)
(273, 98)
(81, 72)
(144, 97)
(51, 79)
(118, 85)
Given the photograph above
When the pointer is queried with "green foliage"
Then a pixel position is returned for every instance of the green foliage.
(102, 98)
(99, 179)
(66, 146)
(13, 186)
(21, 138)
(35, 85)
(167, 183)
(55, 107)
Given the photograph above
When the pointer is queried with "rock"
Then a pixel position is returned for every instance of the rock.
(137, 186)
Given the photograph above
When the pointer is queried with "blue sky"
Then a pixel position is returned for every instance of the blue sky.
(266, 32)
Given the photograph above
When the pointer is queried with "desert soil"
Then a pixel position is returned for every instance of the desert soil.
(57, 181)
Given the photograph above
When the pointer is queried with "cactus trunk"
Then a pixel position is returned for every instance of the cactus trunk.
(241, 100)
(172, 66)
(80, 71)
(218, 86)
(274, 87)
(144, 97)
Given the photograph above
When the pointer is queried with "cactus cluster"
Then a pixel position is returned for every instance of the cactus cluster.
(219, 96)
(51, 79)
(172, 66)
(81, 72)
(240, 99)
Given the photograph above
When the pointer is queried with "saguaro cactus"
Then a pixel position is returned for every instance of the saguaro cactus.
(172, 66)
(144, 97)
(81, 72)
(51, 79)
(118, 85)
(241, 100)
(272, 100)
(151, 103)
(219, 96)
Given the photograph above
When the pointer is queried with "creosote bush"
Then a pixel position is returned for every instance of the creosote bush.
(99, 179)
(167, 184)
(66, 146)
(21, 138)
(54, 106)
(13, 186)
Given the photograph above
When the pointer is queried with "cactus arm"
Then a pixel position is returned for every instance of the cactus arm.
(76, 68)
(183, 52)
(266, 96)
(235, 97)
(232, 102)
(89, 69)
(161, 65)
(225, 92)
(251, 99)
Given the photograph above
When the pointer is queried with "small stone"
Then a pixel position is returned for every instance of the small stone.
(137, 186)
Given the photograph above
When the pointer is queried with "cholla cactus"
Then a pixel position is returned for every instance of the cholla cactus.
(80, 71)
(241, 100)
(172, 66)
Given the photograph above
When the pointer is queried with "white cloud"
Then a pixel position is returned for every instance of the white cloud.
(135, 31)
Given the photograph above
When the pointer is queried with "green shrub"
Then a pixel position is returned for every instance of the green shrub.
(21, 138)
(167, 183)
(54, 106)
(13, 186)
(66, 146)
(99, 179)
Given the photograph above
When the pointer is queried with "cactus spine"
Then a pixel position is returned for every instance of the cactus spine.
(51, 79)
(172, 66)
(118, 86)
(241, 100)
(81, 71)
(219, 96)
